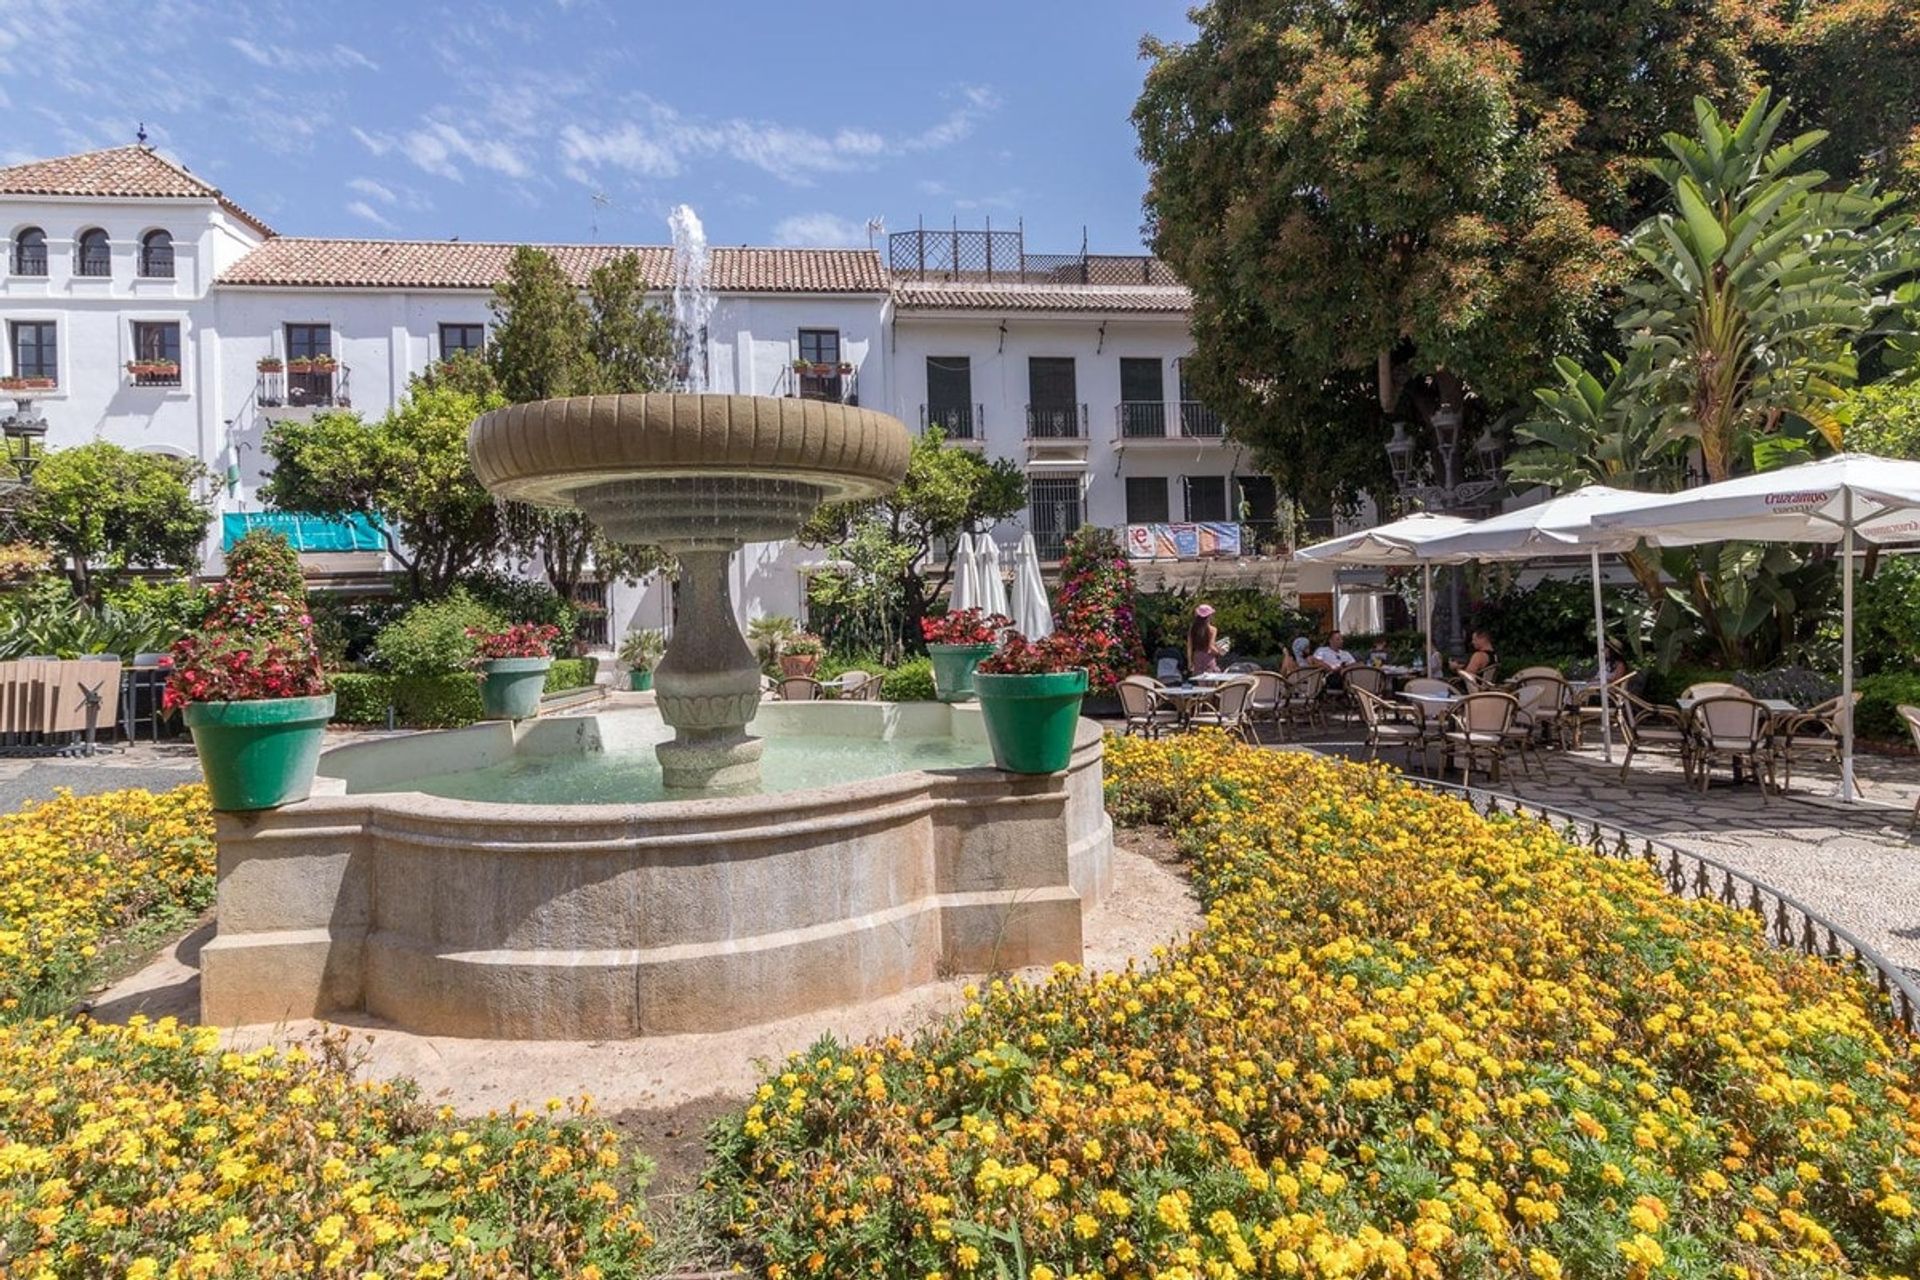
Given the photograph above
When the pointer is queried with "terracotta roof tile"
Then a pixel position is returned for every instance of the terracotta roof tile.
(295, 261)
(125, 172)
(982, 296)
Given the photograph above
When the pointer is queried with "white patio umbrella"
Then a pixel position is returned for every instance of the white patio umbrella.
(966, 577)
(1561, 526)
(1031, 611)
(1399, 542)
(993, 587)
(1841, 499)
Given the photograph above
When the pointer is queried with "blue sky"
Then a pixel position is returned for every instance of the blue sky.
(779, 123)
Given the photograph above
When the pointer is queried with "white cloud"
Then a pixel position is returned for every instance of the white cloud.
(435, 147)
(361, 209)
(377, 143)
(368, 187)
(821, 231)
(280, 57)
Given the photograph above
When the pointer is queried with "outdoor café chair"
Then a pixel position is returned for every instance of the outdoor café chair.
(1586, 711)
(1482, 730)
(1734, 729)
(1304, 705)
(1391, 724)
(1712, 689)
(1143, 708)
(1269, 695)
(1543, 704)
(1242, 668)
(1229, 709)
(1654, 729)
(1433, 717)
(855, 685)
(1812, 735)
(1366, 679)
(1911, 717)
(801, 689)
(1528, 673)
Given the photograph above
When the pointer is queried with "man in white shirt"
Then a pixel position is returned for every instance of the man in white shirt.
(1333, 656)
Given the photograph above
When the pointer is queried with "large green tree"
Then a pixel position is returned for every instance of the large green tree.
(100, 507)
(409, 471)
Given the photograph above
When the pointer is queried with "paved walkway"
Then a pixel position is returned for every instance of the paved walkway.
(1855, 864)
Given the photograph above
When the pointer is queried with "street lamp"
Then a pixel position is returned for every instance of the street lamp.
(25, 433)
(1453, 494)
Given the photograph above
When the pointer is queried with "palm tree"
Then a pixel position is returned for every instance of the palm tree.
(1758, 286)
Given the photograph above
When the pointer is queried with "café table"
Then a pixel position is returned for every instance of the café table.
(1774, 706)
(1185, 697)
(1434, 710)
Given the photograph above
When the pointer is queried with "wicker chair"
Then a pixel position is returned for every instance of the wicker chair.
(1712, 689)
(1543, 702)
(801, 689)
(1812, 735)
(1305, 700)
(1269, 696)
(1433, 718)
(1656, 730)
(1365, 679)
(1482, 730)
(1731, 728)
(1230, 709)
(1587, 711)
(1145, 711)
(1911, 717)
(1529, 673)
(1391, 724)
(857, 685)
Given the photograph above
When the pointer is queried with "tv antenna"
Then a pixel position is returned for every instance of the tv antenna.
(876, 227)
(600, 201)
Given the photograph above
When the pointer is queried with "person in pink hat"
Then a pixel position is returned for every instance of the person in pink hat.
(1203, 643)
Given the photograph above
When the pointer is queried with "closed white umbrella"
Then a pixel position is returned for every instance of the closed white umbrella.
(993, 587)
(1032, 611)
(966, 585)
(1842, 499)
(1398, 542)
(1562, 526)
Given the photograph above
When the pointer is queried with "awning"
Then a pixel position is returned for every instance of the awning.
(306, 532)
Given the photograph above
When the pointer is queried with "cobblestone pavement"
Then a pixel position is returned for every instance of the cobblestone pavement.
(1855, 864)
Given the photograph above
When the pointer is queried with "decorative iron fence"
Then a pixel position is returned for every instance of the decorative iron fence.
(1786, 921)
(1141, 419)
(956, 421)
(30, 261)
(1056, 422)
(1197, 422)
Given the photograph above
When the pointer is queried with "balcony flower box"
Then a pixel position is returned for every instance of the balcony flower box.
(846, 368)
(26, 384)
(157, 370)
(269, 364)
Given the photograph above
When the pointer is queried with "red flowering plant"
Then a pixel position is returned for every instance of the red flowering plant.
(521, 640)
(1049, 655)
(963, 626)
(257, 639)
(1096, 607)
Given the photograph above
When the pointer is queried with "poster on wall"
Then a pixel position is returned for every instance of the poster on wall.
(1182, 541)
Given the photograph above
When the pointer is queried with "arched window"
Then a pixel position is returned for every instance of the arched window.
(95, 253)
(156, 255)
(30, 252)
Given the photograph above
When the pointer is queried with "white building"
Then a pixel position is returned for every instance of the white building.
(143, 306)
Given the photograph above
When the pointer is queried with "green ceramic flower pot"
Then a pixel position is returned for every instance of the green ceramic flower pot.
(953, 666)
(510, 688)
(639, 680)
(1031, 720)
(259, 753)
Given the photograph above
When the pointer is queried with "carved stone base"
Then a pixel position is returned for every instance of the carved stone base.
(690, 763)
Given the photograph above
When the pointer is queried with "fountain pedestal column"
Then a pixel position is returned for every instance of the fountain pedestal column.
(708, 685)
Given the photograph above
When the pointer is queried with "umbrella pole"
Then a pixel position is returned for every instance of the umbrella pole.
(1846, 649)
(1426, 618)
(1600, 655)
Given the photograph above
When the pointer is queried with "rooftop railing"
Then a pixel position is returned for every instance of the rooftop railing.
(1001, 257)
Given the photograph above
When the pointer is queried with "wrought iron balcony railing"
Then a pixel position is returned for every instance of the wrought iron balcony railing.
(1197, 422)
(956, 421)
(1056, 422)
(1141, 419)
(307, 388)
(156, 264)
(30, 262)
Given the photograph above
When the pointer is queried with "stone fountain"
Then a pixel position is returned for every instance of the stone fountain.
(697, 475)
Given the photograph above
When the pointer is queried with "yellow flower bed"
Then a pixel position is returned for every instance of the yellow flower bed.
(78, 871)
(1410, 1042)
(141, 1152)
(144, 1152)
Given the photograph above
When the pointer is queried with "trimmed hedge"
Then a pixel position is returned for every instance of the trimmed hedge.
(1879, 695)
(419, 702)
(571, 673)
(911, 681)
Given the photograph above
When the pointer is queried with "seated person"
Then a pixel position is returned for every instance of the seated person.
(1481, 660)
(1333, 655)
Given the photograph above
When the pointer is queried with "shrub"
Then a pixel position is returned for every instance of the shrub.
(521, 599)
(1665, 685)
(44, 617)
(84, 872)
(834, 665)
(437, 701)
(642, 648)
(1801, 687)
(361, 697)
(1411, 1041)
(569, 673)
(1260, 625)
(1879, 696)
(911, 681)
(1886, 616)
(345, 626)
(1095, 607)
(431, 639)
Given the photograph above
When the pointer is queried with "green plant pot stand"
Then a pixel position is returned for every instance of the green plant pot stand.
(259, 753)
(953, 666)
(1031, 720)
(639, 681)
(510, 688)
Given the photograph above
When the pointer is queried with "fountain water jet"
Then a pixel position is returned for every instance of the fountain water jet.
(698, 475)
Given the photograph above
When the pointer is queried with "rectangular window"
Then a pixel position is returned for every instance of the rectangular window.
(1207, 498)
(950, 397)
(819, 372)
(1196, 420)
(455, 338)
(1259, 501)
(1053, 398)
(310, 364)
(156, 353)
(1054, 511)
(36, 350)
(1147, 500)
(1143, 410)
